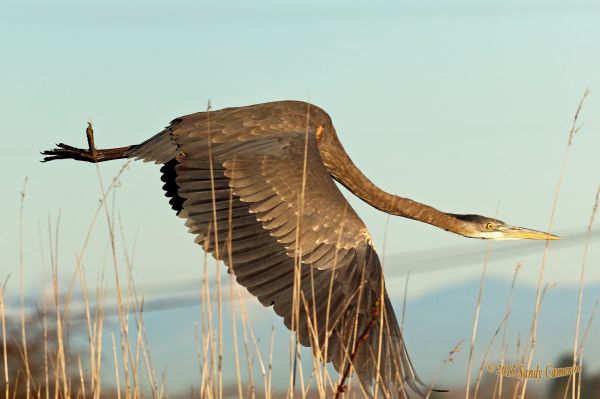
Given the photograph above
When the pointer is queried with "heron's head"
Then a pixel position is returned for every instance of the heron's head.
(477, 226)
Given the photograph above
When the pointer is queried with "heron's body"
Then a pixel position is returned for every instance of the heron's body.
(256, 187)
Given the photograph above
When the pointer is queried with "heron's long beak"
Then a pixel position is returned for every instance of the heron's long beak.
(521, 233)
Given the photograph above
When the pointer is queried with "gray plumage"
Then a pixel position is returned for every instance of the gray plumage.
(280, 214)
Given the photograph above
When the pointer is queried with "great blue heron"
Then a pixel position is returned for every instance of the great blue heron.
(260, 181)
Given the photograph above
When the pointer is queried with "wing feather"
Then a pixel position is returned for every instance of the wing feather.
(280, 221)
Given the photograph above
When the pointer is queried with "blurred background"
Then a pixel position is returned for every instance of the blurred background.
(461, 105)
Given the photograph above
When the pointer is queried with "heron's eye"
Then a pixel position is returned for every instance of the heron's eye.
(489, 226)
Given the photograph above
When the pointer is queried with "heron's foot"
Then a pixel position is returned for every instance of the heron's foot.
(67, 152)
(64, 151)
(92, 154)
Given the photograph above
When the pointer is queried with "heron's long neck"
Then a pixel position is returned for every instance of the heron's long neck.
(342, 169)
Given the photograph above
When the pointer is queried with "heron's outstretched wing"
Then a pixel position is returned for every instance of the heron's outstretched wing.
(281, 223)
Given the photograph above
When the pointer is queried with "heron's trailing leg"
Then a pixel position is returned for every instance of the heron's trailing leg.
(92, 154)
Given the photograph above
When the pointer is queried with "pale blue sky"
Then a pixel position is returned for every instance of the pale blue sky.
(463, 106)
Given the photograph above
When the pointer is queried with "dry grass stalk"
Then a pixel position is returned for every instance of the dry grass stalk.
(381, 311)
(142, 339)
(235, 339)
(81, 380)
(46, 374)
(580, 293)
(21, 274)
(96, 338)
(207, 334)
(500, 379)
(60, 368)
(520, 383)
(296, 299)
(449, 359)
(404, 301)
(251, 387)
(326, 377)
(123, 309)
(231, 298)
(218, 258)
(199, 353)
(95, 323)
(533, 331)
(4, 349)
(583, 339)
(486, 353)
(116, 363)
(270, 376)
(476, 319)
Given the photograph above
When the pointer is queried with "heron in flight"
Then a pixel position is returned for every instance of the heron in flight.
(256, 186)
